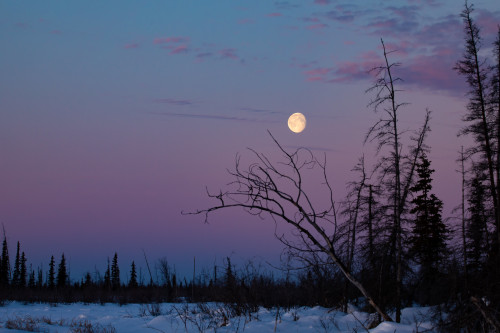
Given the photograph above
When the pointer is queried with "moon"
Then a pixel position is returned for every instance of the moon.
(297, 122)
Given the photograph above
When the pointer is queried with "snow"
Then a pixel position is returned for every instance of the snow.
(137, 318)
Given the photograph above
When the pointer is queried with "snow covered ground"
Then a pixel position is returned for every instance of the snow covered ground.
(135, 318)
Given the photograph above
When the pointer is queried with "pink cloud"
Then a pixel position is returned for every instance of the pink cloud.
(488, 22)
(322, 2)
(131, 46)
(318, 71)
(274, 15)
(179, 49)
(165, 40)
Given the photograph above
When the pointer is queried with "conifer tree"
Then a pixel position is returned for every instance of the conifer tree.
(429, 233)
(133, 277)
(62, 275)
(481, 116)
(52, 273)
(22, 271)
(5, 267)
(476, 229)
(16, 276)
(107, 277)
(115, 273)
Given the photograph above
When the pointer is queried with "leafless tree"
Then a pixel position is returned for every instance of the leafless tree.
(277, 190)
(397, 168)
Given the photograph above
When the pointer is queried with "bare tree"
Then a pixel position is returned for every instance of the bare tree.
(277, 190)
(396, 169)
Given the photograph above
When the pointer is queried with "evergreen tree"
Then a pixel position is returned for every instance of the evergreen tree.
(476, 228)
(62, 275)
(5, 267)
(428, 238)
(52, 273)
(429, 233)
(22, 271)
(133, 277)
(16, 277)
(115, 273)
(107, 277)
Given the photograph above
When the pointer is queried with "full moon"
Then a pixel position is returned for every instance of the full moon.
(297, 122)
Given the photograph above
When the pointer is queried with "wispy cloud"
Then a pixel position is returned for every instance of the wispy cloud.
(209, 116)
(274, 15)
(260, 111)
(173, 101)
(179, 49)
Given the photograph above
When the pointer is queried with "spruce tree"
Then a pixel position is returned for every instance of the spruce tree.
(428, 237)
(5, 267)
(476, 228)
(107, 277)
(52, 273)
(16, 276)
(22, 271)
(62, 274)
(115, 273)
(133, 277)
(429, 233)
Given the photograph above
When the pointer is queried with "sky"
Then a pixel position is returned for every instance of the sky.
(115, 116)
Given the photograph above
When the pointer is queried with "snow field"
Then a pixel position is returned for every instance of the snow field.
(185, 317)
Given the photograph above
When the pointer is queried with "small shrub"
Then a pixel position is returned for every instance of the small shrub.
(27, 323)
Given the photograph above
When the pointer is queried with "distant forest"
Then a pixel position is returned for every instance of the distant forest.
(384, 247)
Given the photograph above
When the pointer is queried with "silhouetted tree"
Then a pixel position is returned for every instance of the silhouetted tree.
(476, 229)
(5, 264)
(483, 119)
(52, 273)
(23, 271)
(429, 233)
(16, 276)
(397, 169)
(277, 190)
(133, 276)
(62, 274)
(115, 273)
(107, 276)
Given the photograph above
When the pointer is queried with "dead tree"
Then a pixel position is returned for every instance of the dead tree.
(396, 168)
(277, 190)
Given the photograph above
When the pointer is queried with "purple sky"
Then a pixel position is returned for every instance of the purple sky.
(115, 115)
